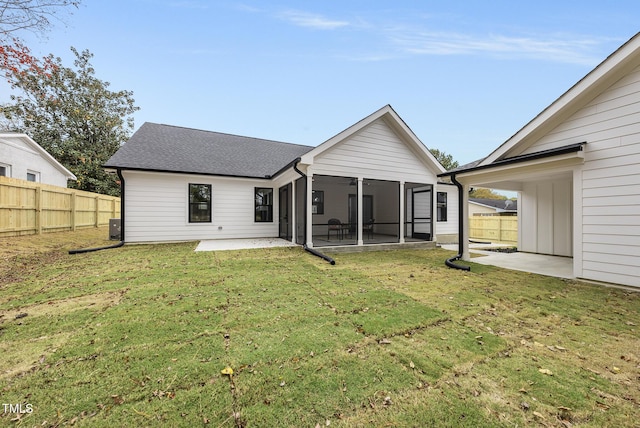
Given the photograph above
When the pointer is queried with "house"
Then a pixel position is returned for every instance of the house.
(576, 168)
(374, 182)
(23, 158)
(484, 206)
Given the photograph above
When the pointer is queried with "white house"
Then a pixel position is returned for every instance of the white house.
(483, 206)
(23, 158)
(576, 167)
(375, 182)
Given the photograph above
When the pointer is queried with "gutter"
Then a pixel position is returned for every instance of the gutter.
(304, 246)
(451, 261)
(571, 148)
(121, 243)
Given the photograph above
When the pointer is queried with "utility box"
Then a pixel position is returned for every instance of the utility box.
(115, 233)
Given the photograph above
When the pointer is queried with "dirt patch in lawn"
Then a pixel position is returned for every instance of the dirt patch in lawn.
(20, 356)
(20, 255)
(60, 307)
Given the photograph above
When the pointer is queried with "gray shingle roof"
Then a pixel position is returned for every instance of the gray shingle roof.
(507, 205)
(156, 147)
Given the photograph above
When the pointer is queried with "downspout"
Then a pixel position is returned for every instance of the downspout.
(450, 262)
(121, 243)
(304, 246)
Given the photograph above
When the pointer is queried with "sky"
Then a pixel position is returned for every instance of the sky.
(463, 75)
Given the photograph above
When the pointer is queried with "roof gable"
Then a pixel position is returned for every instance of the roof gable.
(166, 148)
(394, 122)
(7, 137)
(616, 66)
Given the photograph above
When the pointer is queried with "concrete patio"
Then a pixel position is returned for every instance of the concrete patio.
(242, 244)
(561, 267)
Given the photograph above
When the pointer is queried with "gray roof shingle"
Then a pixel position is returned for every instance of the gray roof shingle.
(156, 147)
(502, 204)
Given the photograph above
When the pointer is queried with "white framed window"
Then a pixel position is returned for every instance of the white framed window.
(5, 170)
(33, 176)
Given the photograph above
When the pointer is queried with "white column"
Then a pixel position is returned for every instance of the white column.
(360, 223)
(292, 213)
(465, 223)
(309, 203)
(402, 213)
(577, 250)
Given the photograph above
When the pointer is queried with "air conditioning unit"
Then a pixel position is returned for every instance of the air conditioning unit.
(114, 229)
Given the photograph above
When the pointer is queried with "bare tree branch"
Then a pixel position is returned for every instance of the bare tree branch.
(32, 15)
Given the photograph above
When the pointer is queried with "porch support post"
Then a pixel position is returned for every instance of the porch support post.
(308, 211)
(292, 214)
(402, 213)
(360, 222)
(465, 225)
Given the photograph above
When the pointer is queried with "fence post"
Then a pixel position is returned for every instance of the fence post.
(74, 203)
(38, 213)
(97, 211)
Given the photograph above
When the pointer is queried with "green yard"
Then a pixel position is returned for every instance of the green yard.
(138, 336)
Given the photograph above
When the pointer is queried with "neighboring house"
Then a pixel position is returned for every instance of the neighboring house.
(375, 182)
(576, 167)
(23, 158)
(482, 206)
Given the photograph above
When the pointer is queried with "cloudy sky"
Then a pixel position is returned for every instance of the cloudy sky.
(464, 75)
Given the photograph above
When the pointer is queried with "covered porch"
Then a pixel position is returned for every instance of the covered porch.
(548, 189)
(356, 211)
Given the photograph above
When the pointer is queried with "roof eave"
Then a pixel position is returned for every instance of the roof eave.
(113, 168)
(570, 151)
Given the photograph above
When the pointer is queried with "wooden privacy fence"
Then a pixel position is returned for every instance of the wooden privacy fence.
(494, 228)
(28, 208)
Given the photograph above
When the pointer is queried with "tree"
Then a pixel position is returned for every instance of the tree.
(72, 114)
(17, 16)
(33, 15)
(445, 160)
(482, 193)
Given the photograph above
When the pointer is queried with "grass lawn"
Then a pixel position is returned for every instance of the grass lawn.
(140, 335)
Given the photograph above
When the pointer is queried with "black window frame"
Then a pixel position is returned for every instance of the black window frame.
(263, 212)
(193, 203)
(441, 206)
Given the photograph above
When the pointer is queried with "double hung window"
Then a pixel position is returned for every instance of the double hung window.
(264, 204)
(442, 206)
(199, 203)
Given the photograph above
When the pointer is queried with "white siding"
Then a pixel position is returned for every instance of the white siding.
(375, 152)
(610, 198)
(21, 158)
(156, 208)
(545, 224)
(449, 227)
